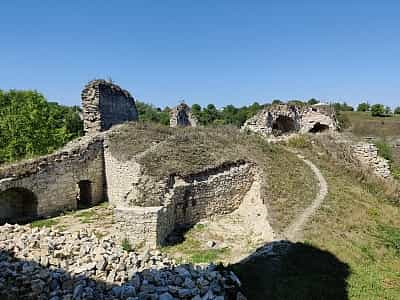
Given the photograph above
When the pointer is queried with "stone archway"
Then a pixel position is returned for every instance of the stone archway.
(318, 127)
(283, 124)
(18, 205)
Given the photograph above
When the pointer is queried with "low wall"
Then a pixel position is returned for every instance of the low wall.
(187, 200)
(54, 179)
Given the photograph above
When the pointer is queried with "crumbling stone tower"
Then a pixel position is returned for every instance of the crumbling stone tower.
(182, 115)
(106, 104)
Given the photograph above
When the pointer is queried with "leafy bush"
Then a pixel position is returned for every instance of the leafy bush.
(363, 107)
(384, 150)
(377, 110)
(30, 126)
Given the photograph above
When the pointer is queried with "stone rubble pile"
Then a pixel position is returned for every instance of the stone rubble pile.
(49, 264)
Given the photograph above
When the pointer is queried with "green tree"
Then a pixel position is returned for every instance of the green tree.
(364, 106)
(30, 126)
(312, 101)
(397, 110)
(276, 102)
(377, 110)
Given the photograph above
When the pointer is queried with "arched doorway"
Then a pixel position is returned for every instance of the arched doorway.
(283, 124)
(182, 118)
(318, 127)
(17, 205)
(84, 199)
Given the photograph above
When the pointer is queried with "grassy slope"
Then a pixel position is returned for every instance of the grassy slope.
(363, 124)
(351, 251)
(289, 185)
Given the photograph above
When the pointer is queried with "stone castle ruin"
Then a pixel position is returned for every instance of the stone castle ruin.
(106, 104)
(182, 116)
(286, 119)
(85, 172)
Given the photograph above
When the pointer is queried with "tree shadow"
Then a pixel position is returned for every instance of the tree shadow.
(289, 270)
(279, 270)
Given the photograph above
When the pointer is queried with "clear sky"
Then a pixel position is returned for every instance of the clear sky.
(208, 51)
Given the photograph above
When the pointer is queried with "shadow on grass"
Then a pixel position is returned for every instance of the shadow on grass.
(289, 270)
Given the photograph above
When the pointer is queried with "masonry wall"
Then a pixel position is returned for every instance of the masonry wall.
(54, 179)
(188, 200)
(105, 104)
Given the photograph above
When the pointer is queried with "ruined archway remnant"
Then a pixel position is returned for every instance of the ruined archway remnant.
(182, 116)
(285, 119)
(283, 124)
(106, 104)
(318, 127)
(17, 205)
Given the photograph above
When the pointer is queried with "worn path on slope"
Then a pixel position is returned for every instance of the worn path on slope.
(294, 231)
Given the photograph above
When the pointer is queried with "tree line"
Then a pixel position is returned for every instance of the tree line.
(30, 125)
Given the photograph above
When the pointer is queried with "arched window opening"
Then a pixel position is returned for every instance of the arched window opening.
(318, 127)
(283, 124)
(18, 205)
(182, 118)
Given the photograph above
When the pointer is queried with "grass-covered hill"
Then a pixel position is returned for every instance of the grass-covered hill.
(289, 184)
(351, 246)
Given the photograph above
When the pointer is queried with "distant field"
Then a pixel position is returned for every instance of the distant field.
(363, 124)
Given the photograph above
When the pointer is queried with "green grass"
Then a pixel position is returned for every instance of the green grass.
(86, 216)
(288, 184)
(44, 223)
(191, 250)
(351, 246)
(363, 124)
(126, 245)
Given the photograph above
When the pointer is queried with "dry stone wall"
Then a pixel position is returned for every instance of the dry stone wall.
(367, 155)
(175, 200)
(106, 104)
(53, 180)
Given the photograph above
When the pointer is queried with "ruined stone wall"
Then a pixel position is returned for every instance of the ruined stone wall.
(106, 104)
(285, 119)
(53, 179)
(182, 116)
(185, 201)
(367, 155)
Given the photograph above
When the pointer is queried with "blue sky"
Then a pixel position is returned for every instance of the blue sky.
(221, 52)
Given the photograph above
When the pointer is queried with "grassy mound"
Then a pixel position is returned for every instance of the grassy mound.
(288, 184)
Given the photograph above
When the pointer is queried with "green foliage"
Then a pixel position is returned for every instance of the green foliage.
(312, 101)
(377, 110)
(363, 107)
(44, 223)
(397, 110)
(31, 126)
(342, 107)
(126, 245)
(390, 236)
(149, 113)
(384, 150)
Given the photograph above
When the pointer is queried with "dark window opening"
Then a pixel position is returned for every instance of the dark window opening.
(85, 194)
(318, 127)
(283, 124)
(18, 205)
(182, 118)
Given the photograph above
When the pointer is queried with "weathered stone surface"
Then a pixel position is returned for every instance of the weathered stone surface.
(105, 104)
(182, 115)
(23, 276)
(286, 119)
